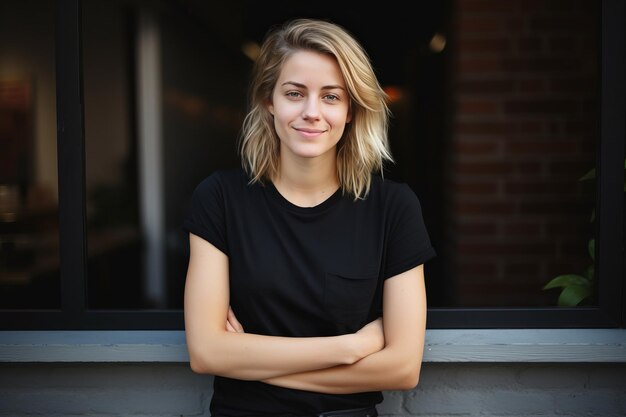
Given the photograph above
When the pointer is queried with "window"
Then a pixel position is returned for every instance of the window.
(29, 229)
(497, 115)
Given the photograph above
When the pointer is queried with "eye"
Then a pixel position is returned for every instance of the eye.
(293, 94)
(331, 97)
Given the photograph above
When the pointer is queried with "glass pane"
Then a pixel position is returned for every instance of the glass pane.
(115, 257)
(523, 118)
(29, 226)
(495, 123)
(163, 104)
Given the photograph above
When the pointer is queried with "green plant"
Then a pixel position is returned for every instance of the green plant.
(577, 288)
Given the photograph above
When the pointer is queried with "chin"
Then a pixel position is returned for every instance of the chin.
(308, 152)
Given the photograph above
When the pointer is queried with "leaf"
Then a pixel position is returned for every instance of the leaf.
(589, 175)
(590, 272)
(567, 280)
(592, 248)
(573, 295)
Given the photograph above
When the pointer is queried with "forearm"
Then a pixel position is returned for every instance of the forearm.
(214, 350)
(397, 365)
(388, 369)
(255, 357)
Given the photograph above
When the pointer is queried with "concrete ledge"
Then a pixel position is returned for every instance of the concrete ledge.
(488, 345)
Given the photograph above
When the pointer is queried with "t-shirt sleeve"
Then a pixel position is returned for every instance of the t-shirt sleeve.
(408, 243)
(206, 214)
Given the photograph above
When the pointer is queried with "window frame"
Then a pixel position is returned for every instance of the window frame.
(74, 314)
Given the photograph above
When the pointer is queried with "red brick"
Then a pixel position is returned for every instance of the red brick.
(555, 127)
(551, 207)
(575, 169)
(515, 24)
(540, 65)
(479, 24)
(575, 266)
(477, 106)
(541, 106)
(568, 228)
(522, 228)
(483, 128)
(476, 188)
(530, 168)
(477, 65)
(577, 248)
(483, 168)
(482, 45)
(488, 86)
(516, 268)
(484, 207)
(481, 268)
(542, 186)
(533, 85)
(531, 126)
(533, 6)
(568, 6)
(476, 148)
(505, 248)
(583, 127)
(575, 85)
(530, 44)
(555, 23)
(489, 6)
(590, 47)
(477, 230)
(563, 44)
(543, 147)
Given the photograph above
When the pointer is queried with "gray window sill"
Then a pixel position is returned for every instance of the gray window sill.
(488, 345)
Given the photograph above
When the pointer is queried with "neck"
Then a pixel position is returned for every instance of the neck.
(307, 182)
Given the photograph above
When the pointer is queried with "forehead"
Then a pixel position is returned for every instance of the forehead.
(311, 69)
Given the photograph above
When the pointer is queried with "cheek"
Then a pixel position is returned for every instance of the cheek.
(285, 112)
(338, 117)
(281, 118)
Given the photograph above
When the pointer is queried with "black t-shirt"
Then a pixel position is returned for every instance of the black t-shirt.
(300, 272)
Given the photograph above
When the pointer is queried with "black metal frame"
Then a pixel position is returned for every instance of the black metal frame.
(73, 242)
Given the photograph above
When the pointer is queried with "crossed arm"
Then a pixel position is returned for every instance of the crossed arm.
(363, 361)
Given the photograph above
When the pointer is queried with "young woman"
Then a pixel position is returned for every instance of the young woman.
(305, 289)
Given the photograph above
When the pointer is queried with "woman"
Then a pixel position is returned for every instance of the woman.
(305, 289)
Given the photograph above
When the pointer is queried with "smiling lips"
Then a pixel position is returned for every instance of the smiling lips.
(310, 133)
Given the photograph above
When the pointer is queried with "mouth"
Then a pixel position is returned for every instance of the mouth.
(308, 132)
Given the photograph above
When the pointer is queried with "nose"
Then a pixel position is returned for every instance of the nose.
(311, 109)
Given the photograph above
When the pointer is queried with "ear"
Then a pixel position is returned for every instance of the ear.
(349, 116)
(270, 107)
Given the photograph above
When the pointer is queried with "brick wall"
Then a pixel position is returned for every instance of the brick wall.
(525, 97)
(445, 390)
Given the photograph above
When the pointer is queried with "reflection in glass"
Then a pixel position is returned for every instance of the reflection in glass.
(523, 134)
(29, 235)
(494, 123)
(163, 105)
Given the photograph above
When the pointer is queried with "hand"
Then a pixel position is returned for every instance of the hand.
(372, 336)
(232, 324)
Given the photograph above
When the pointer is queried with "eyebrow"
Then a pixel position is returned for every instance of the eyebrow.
(299, 85)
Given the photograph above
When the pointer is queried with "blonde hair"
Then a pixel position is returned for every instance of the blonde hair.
(364, 146)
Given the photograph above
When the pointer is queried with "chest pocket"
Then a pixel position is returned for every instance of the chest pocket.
(348, 299)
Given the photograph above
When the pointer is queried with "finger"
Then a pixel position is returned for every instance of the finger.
(233, 321)
(230, 328)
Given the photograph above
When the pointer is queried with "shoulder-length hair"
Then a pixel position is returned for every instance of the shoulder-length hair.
(364, 146)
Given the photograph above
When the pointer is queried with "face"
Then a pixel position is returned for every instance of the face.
(310, 105)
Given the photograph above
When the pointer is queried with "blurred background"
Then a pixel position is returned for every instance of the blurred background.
(495, 123)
